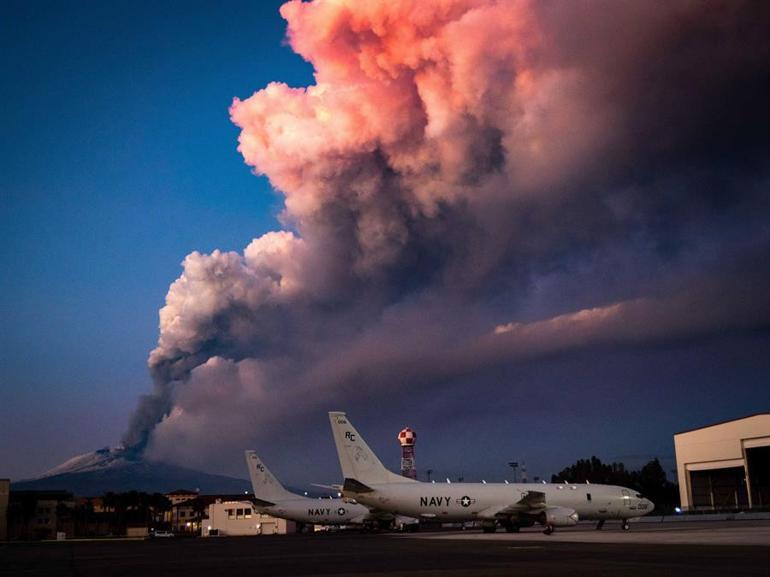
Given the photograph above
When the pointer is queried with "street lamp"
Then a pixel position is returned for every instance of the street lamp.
(514, 465)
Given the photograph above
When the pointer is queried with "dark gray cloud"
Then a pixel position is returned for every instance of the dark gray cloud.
(497, 185)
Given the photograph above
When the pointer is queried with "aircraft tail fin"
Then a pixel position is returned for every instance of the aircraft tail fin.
(266, 486)
(359, 463)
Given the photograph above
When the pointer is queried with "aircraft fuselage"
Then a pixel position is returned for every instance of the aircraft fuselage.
(318, 511)
(470, 501)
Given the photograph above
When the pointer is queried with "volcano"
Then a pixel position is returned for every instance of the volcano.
(119, 469)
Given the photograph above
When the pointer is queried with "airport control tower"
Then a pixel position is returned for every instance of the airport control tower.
(407, 438)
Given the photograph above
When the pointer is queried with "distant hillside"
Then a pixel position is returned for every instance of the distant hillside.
(148, 476)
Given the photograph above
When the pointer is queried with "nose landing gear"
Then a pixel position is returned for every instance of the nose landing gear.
(548, 529)
(600, 524)
(625, 526)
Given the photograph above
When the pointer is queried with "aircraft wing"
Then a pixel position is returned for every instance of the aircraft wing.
(531, 502)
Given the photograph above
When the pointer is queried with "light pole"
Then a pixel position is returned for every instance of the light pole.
(514, 465)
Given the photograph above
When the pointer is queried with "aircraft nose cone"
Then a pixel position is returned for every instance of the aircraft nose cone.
(650, 504)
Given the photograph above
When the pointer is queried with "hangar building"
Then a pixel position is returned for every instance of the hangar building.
(725, 465)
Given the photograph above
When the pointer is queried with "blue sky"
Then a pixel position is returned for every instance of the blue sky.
(635, 196)
(118, 158)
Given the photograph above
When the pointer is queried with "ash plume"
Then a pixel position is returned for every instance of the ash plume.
(475, 182)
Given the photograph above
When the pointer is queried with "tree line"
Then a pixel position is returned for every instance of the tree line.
(650, 480)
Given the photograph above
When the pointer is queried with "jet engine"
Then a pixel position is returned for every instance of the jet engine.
(559, 517)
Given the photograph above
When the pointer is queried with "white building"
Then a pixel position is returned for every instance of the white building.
(725, 465)
(240, 518)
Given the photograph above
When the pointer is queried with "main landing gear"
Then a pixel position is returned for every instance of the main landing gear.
(625, 526)
(548, 529)
(489, 527)
(600, 524)
(510, 527)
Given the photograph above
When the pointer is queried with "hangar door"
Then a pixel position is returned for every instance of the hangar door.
(719, 488)
(758, 464)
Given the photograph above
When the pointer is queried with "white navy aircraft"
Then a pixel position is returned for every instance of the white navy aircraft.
(511, 505)
(272, 498)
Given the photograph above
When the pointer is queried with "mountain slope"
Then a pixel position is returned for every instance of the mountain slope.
(117, 470)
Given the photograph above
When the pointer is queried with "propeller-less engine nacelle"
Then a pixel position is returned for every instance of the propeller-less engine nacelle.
(559, 517)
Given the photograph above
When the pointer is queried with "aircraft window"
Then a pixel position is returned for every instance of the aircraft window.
(573, 487)
(588, 496)
(560, 487)
(639, 496)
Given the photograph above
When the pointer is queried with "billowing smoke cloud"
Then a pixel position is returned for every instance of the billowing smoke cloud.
(475, 182)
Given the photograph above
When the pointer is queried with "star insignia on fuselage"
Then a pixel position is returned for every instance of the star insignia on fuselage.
(466, 501)
(341, 511)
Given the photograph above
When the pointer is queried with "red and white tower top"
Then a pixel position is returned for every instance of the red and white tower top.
(407, 437)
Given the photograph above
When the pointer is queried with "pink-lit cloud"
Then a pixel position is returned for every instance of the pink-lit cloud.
(452, 158)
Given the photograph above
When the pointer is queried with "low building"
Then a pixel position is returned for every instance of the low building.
(190, 516)
(725, 465)
(180, 496)
(39, 514)
(231, 518)
(186, 511)
(5, 488)
(137, 531)
(186, 516)
(95, 504)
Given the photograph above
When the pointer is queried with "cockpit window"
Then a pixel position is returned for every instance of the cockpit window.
(639, 496)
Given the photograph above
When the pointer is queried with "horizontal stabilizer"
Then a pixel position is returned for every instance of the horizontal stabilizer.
(334, 487)
(353, 486)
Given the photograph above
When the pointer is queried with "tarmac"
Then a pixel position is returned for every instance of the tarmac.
(709, 549)
(687, 533)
